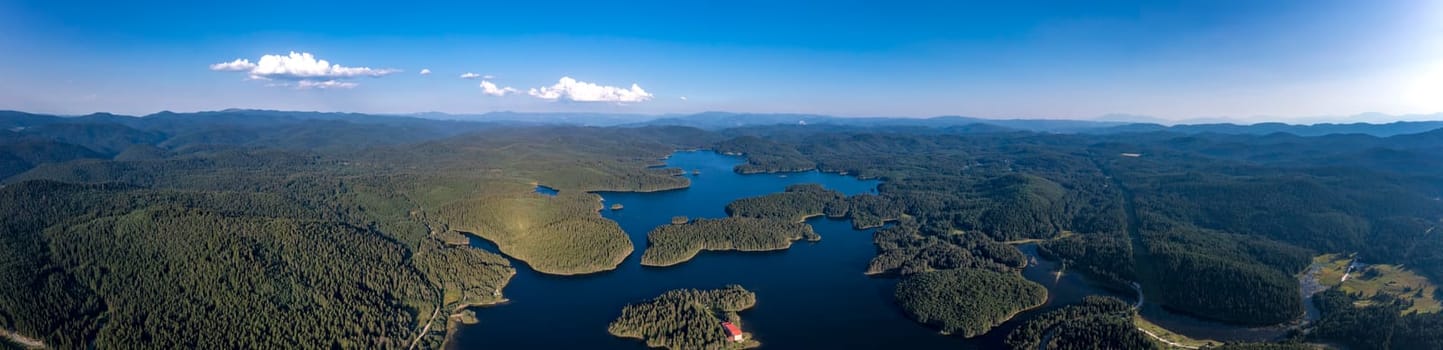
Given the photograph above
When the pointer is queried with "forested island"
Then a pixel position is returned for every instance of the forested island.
(677, 243)
(688, 319)
(258, 221)
(797, 203)
(968, 302)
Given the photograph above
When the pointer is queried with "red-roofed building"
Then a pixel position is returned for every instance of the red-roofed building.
(733, 332)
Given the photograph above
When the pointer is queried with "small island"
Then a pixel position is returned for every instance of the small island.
(970, 301)
(675, 244)
(689, 319)
(616, 206)
(678, 220)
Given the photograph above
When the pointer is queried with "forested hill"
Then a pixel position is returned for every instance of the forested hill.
(1216, 225)
(1213, 225)
(247, 237)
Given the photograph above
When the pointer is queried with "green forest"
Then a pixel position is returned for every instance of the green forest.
(1096, 323)
(797, 203)
(968, 302)
(677, 243)
(220, 236)
(556, 235)
(687, 319)
(1216, 226)
(325, 230)
(1379, 323)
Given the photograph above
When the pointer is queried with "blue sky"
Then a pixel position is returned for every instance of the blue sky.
(1002, 59)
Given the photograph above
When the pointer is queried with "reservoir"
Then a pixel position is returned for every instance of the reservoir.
(813, 295)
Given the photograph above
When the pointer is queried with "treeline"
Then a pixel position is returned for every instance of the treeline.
(674, 244)
(1096, 323)
(686, 319)
(967, 301)
(1379, 324)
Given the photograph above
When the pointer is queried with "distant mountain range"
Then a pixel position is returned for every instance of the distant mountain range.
(1104, 125)
(1111, 124)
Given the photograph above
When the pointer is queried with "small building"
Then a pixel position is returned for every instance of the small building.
(733, 332)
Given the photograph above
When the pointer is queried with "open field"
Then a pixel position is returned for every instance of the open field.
(1170, 339)
(1372, 279)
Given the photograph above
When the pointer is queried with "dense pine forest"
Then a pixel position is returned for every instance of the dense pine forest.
(677, 243)
(1217, 226)
(1096, 323)
(228, 229)
(968, 302)
(258, 222)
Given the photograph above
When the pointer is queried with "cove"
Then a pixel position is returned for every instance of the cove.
(813, 295)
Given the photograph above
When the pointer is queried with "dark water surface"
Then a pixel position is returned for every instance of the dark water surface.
(811, 296)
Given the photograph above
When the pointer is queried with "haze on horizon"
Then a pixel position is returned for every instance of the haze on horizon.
(1171, 60)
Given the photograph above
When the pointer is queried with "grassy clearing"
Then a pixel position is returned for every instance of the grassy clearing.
(1369, 280)
(1169, 336)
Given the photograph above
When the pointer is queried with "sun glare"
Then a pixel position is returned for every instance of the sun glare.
(1424, 91)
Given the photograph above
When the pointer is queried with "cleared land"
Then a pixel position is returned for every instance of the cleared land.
(1371, 279)
(1168, 338)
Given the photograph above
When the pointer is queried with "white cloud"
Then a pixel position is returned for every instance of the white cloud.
(683, 98)
(239, 65)
(301, 67)
(490, 88)
(488, 77)
(580, 91)
(324, 84)
(425, 71)
(470, 75)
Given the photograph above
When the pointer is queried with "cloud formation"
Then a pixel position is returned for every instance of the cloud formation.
(239, 65)
(425, 71)
(469, 75)
(580, 91)
(490, 88)
(301, 67)
(325, 84)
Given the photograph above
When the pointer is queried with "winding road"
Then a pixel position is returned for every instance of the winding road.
(429, 321)
(22, 340)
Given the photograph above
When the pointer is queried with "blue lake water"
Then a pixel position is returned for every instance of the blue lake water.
(811, 296)
(546, 191)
